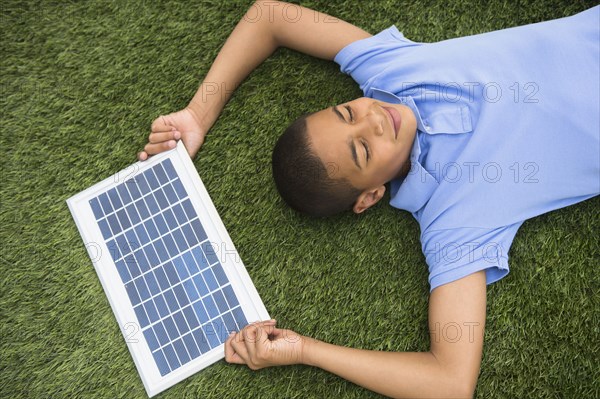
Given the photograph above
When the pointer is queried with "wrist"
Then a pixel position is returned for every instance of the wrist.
(309, 348)
(200, 115)
(208, 102)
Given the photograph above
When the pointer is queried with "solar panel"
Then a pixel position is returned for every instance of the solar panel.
(173, 277)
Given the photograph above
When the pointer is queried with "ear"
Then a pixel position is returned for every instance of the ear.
(368, 198)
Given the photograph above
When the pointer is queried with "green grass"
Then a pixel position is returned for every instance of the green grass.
(81, 82)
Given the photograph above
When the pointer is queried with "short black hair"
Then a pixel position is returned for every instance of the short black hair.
(303, 181)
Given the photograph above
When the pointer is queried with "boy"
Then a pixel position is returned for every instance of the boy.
(474, 135)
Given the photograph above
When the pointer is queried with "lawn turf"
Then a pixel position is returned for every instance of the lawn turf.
(81, 82)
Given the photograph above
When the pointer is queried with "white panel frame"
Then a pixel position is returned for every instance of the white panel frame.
(236, 272)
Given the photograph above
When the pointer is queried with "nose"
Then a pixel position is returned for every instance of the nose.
(376, 120)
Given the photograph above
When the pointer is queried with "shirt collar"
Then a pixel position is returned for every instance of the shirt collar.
(412, 192)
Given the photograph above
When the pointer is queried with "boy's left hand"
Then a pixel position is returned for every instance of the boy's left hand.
(167, 129)
(261, 345)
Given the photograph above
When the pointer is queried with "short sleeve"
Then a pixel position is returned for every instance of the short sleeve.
(365, 58)
(452, 254)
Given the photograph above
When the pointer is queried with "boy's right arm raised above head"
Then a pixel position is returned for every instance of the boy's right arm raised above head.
(266, 26)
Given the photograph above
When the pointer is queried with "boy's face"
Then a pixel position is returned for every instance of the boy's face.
(366, 141)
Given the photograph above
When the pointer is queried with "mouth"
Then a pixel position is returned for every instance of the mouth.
(395, 120)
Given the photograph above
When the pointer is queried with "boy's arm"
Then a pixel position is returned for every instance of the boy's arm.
(266, 26)
(457, 314)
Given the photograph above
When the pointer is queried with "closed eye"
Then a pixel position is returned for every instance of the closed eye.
(364, 143)
(349, 112)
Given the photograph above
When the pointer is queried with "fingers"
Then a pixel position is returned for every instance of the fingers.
(241, 347)
(155, 138)
(258, 331)
(251, 336)
(152, 149)
(161, 124)
(231, 355)
(163, 137)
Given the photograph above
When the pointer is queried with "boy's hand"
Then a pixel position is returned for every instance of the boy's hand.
(261, 345)
(167, 129)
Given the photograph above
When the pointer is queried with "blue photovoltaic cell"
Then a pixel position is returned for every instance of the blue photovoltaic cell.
(96, 208)
(104, 228)
(105, 202)
(175, 282)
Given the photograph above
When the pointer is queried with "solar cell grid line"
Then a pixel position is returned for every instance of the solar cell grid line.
(127, 239)
(154, 238)
(123, 195)
(146, 312)
(151, 314)
(149, 317)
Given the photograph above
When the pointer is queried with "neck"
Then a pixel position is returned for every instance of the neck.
(404, 170)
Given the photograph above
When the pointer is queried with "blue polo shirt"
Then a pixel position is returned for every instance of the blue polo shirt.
(508, 127)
